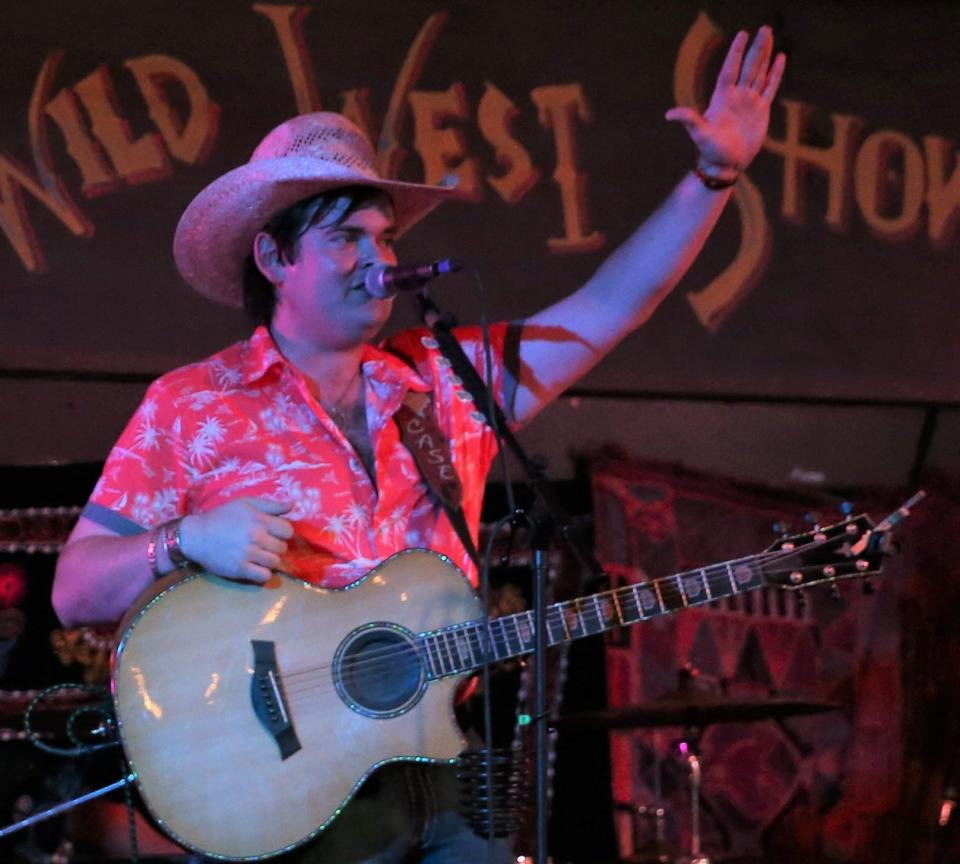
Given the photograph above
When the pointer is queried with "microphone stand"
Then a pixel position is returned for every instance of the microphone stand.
(551, 520)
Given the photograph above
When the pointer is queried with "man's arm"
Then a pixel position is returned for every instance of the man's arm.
(101, 573)
(563, 342)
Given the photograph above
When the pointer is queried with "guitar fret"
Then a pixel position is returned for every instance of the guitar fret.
(718, 578)
(616, 608)
(748, 576)
(578, 627)
(433, 656)
(471, 632)
(552, 616)
(483, 643)
(680, 587)
(694, 588)
(519, 637)
(454, 650)
(733, 584)
(468, 646)
(463, 647)
(563, 620)
(446, 661)
(505, 624)
(583, 620)
(532, 625)
(600, 612)
(476, 654)
(506, 642)
(526, 629)
(656, 588)
(605, 614)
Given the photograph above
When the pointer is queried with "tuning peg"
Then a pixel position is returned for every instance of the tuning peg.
(846, 508)
(867, 586)
(813, 519)
(780, 527)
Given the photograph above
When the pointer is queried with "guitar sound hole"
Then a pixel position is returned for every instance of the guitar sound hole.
(378, 672)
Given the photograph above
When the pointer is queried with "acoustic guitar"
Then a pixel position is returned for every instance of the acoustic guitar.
(251, 715)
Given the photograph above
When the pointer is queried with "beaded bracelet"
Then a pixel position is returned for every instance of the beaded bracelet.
(715, 184)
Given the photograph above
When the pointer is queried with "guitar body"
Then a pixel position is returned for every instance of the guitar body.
(211, 765)
(251, 714)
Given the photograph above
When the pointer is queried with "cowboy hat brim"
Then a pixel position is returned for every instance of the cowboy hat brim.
(216, 232)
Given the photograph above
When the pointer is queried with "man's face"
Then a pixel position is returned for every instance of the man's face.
(322, 299)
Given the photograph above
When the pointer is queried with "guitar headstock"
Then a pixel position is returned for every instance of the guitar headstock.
(852, 548)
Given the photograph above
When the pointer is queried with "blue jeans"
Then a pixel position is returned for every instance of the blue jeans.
(405, 813)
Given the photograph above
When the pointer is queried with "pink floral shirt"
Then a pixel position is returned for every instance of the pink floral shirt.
(243, 423)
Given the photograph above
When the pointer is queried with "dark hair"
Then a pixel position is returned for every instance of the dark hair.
(286, 228)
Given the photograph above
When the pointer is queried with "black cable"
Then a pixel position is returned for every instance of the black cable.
(79, 748)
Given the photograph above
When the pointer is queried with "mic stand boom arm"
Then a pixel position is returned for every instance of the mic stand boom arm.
(441, 325)
(542, 528)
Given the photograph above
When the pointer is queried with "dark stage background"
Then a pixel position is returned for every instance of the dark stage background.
(829, 284)
(812, 348)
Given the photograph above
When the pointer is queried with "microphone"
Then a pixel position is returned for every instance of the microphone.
(383, 281)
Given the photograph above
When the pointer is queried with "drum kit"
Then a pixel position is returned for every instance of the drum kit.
(691, 709)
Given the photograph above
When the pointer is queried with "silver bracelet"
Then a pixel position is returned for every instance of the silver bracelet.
(171, 543)
(152, 551)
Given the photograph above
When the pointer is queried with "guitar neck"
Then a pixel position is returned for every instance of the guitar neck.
(460, 648)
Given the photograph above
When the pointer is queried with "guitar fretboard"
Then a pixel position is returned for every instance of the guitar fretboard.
(462, 647)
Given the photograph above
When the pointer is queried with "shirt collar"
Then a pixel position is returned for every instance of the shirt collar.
(260, 354)
(387, 371)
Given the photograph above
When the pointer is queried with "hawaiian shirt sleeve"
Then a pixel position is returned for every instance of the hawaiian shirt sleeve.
(144, 480)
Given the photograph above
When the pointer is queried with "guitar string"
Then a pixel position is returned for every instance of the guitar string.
(377, 656)
(717, 575)
(372, 672)
(381, 663)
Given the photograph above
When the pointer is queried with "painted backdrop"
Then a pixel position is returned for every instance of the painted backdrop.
(834, 273)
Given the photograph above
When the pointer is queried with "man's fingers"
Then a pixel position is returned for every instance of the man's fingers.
(265, 505)
(264, 559)
(731, 64)
(255, 573)
(773, 79)
(280, 528)
(755, 64)
(271, 543)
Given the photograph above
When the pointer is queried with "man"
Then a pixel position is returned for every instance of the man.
(282, 453)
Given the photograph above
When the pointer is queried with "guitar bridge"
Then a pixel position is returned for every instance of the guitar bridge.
(269, 702)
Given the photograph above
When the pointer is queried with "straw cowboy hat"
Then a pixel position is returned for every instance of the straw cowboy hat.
(300, 158)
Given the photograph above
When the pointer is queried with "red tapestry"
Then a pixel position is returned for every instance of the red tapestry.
(849, 784)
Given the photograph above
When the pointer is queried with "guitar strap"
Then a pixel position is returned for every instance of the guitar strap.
(428, 445)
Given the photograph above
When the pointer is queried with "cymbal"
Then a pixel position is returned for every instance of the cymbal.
(692, 708)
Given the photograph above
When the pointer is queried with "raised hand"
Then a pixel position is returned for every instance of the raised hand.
(243, 539)
(731, 131)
